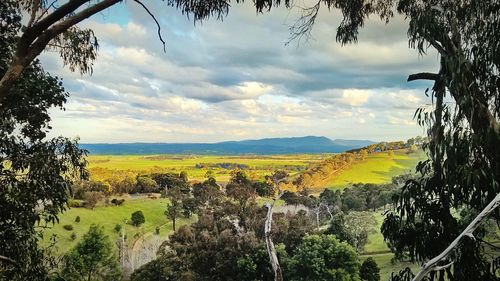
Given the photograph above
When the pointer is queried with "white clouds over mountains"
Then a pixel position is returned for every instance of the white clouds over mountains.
(237, 79)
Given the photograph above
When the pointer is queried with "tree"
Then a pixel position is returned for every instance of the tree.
(137, 218)
(35, 184)
(324, 258)
(174, 210)
(92, 258)
(369, 270)
(92, 198)
(145, 184)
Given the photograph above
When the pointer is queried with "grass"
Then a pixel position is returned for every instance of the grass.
(108, 217)
(376, 242)
(377, 168)
(258, 166)
(387, 267)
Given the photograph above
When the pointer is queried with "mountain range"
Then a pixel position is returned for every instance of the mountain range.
(291, 145)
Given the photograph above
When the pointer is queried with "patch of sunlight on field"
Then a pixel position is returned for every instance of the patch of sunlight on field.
(377, 168)
(376, 242)
(108, 217)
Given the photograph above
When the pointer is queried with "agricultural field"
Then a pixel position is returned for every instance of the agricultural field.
(377, 168)
(197, 166)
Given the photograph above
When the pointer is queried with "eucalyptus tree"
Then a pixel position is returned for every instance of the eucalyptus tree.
(36, 172)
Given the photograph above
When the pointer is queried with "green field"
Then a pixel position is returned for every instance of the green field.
(108, 217)
(377, 168)
(258, 166)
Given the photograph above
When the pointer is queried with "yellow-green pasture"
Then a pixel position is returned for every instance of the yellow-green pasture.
(377, 168)
(257, 165)
(108, 217)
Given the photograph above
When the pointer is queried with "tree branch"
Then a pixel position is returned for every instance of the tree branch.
(423, 76)
(8, 260)
(156, 21)
(432, 264)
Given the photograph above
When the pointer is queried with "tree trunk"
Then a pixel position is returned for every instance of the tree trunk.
(273, 257)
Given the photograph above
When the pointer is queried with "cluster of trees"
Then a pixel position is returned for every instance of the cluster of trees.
(92, 191)
(225, 165)
(227, 241)
(316, 175)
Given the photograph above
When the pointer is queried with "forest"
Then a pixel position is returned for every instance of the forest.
(312, 220)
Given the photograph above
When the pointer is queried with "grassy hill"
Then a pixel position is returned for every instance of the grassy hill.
(377, 168)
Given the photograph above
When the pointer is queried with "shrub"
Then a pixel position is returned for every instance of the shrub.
(73, 236)
(369, 270)
(137, 218)
(157, 230)
(92, 198)
(72, 203)
(68, 227)
(117, 202)
(77, 219)
(118, 227)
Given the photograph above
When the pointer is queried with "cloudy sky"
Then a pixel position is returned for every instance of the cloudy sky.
(237, 80)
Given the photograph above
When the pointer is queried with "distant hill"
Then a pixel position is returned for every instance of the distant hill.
(308, 144)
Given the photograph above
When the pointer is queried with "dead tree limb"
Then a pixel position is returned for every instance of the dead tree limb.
(431, 265)
(271, 250)
(276, 178)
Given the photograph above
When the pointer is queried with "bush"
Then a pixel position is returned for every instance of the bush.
(77, 219)
(157, 230)
(68, 227)
(369, 270)
(137, 218)
(117, 202)
(72, 203)
(118, 227)
(92, 198)
(73, 236)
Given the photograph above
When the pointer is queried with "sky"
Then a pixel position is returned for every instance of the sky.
(238, 79)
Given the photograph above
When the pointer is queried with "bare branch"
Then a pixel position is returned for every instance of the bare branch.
(431, 264)
(8, 260)
(156, 21)
(303, 26)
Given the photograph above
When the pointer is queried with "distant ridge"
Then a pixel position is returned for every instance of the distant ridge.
(292, 145)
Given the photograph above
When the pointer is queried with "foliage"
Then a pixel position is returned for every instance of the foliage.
(353, 228)
(324, 258)
(369, 270)
(137, 218)
(118, 227)
(92, 198)
(91, 259)
(77, 219)
(36, 172)
(463, 170)
(68, 227)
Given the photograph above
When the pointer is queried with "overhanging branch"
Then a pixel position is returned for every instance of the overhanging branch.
(156, 21)
(423, 76)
